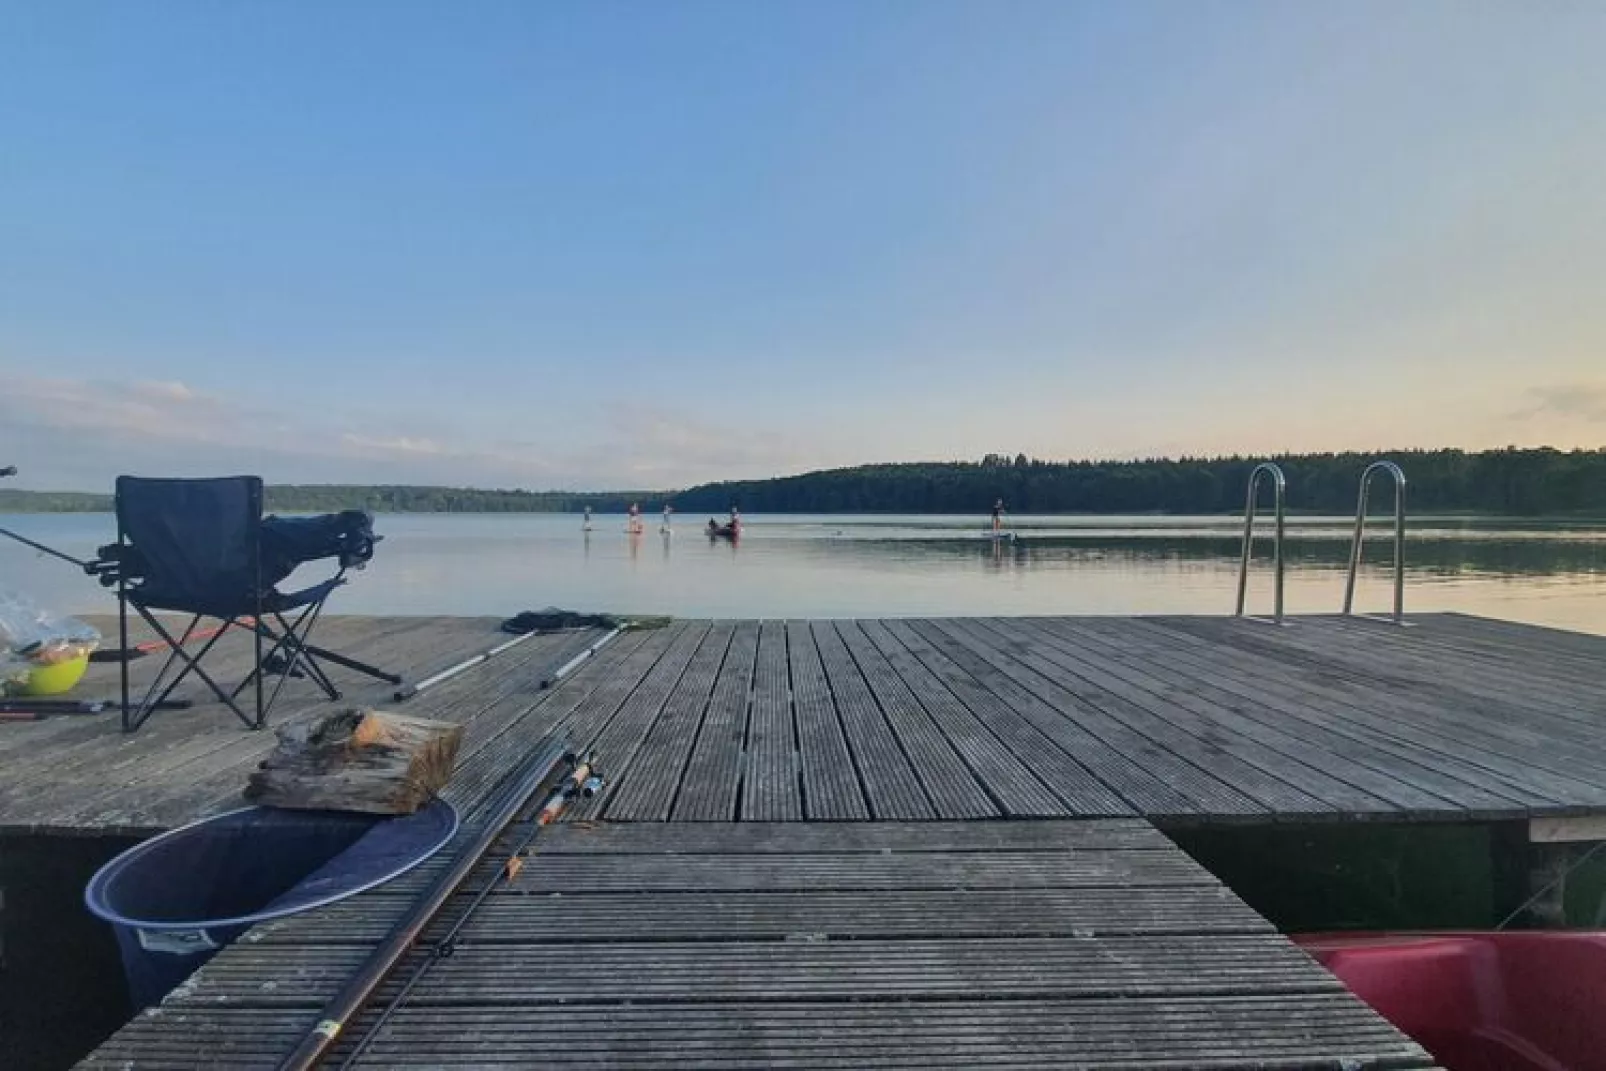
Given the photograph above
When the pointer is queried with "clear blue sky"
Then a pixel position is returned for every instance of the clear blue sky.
(646, 244)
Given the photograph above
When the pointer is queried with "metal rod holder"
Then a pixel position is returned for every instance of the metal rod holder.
(1359, 539)
(1279, 485)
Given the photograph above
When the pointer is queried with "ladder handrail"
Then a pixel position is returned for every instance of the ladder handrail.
(1280, 489)
(1359, 539)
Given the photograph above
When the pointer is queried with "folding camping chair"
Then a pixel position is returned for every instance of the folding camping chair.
(195, 546)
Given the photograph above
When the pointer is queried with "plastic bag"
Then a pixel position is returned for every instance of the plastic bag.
(32, 636)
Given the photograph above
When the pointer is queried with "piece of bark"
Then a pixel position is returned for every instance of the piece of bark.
(358, 760)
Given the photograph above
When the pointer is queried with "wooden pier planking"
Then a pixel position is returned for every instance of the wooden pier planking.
(708, 791)
(946, 962)
(1271, 696)
(770, 790)
(1243, 761)
(1006, 780)
(1459, 734)
(1081, 792)
(829, 777)
(1195, 787)
(891, 788)
(1175, 718)
(949, 783)
(875, 933)
(81, 773)
(1119, 1033)
(1306, 727)
(623, 733)
(643, 787)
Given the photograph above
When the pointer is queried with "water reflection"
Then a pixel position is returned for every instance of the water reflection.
(1424, 555)
(893, 566)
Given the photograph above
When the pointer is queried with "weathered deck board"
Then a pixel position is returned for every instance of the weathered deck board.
(1239, 761)
(1313, 712)
(891, 786)
(771, 791)
(1001, 774)
(1072, 782)
(830, 783)
(644, 789)
(1208, 680)
(929, 969)
(713, 773)
(952, 788)
(1448, 728)
(614, 746)
(1194, 780)
(970, 913)
(1268, 1033)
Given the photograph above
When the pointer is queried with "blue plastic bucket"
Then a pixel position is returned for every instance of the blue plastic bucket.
(178, 898)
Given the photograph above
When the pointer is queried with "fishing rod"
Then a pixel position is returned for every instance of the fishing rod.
(555, 773)
(26, 704)
(449, 672)
(90, 568)
(469, 663)
(580, 782)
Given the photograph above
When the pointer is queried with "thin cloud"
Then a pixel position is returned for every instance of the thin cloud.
(1576, 401)
(396, 444)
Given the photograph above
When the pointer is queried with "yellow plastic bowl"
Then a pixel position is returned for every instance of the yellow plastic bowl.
(53, 680)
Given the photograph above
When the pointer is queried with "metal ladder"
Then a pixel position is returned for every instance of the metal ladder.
(1279, 491)
(1360, 537)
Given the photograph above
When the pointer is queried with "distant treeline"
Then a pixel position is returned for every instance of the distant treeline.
(1511, 481)
(1507, 481)
(325, 498)
(329, 498)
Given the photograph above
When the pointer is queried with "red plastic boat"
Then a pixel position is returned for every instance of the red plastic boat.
(1533, 1001)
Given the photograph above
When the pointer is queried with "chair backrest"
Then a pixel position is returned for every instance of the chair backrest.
(197, 541)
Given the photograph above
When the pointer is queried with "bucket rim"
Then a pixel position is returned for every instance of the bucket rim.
(94, 901)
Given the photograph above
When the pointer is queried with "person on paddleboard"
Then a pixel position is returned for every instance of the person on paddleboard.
(635, 518)
(998, 516)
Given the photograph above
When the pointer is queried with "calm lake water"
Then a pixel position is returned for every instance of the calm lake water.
(831, 566)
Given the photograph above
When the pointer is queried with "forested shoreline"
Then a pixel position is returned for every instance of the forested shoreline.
(1520, 482)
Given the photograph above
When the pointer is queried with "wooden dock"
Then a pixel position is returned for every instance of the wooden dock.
(872, 842)
(1094, 944)
(1181, 720)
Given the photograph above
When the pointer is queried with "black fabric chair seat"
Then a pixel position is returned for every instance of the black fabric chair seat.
(272, 602)
(276, 602)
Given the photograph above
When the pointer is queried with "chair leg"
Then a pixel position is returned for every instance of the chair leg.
(262, 712)
(290, 646)
(161, 688)
(336, 658)
(304, 649)
(122, 646)
(295, 636)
